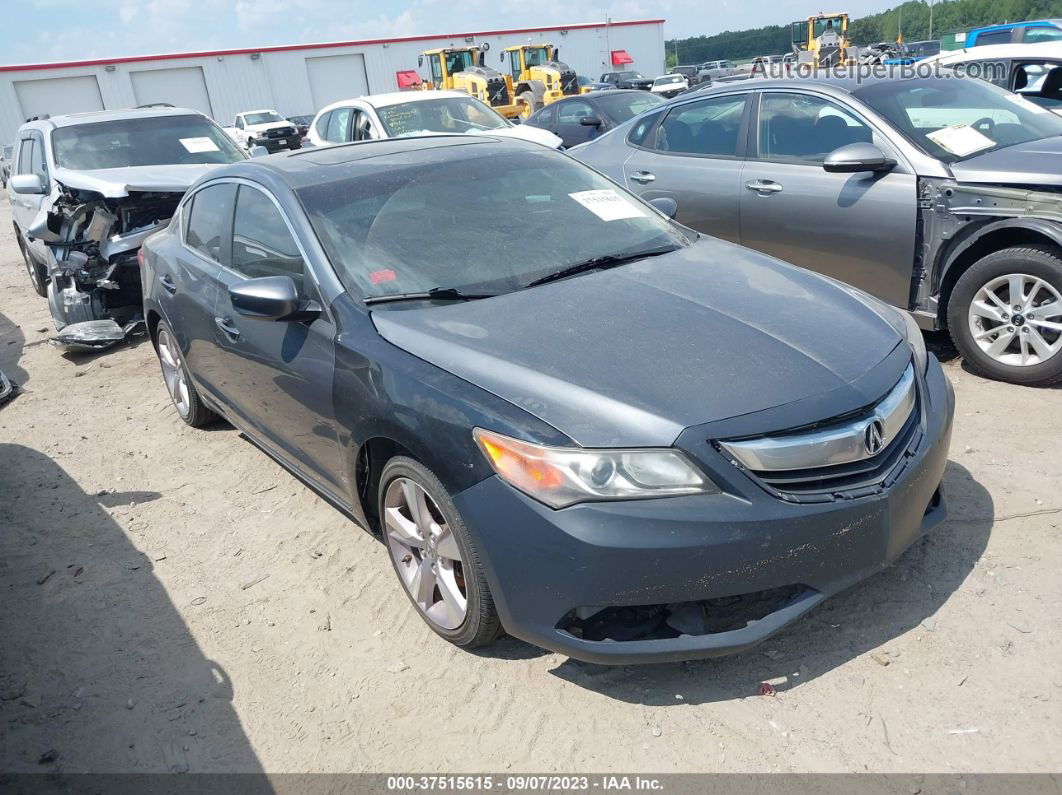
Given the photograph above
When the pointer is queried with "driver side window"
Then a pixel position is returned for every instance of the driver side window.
(262, 245)
(805, 128)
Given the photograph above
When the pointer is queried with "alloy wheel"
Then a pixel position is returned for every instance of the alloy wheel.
(425, 552)
(1016, 319)
(173, 373)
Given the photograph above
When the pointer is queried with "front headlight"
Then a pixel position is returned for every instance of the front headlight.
(561, 476)
(917, 342)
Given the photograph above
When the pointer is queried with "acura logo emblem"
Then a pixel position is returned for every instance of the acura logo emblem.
(874, 437)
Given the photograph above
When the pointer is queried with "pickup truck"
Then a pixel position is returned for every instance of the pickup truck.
(264, 128)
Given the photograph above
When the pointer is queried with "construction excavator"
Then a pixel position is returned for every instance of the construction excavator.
(537, 77)
(822, 40)
(462, 69)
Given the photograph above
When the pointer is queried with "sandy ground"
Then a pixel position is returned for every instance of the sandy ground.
(171, 599)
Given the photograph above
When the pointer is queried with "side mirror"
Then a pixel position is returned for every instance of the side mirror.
(852, 158)
(267, 298)
(591, 121)
(28, 184)
(666, 205)
(258, 151)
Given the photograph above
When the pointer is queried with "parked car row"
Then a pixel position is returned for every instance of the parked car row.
(583, 398)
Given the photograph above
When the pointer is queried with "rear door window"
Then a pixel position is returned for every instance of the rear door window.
(708, 127)
(262, 244)
(993, 37)
(208, 219)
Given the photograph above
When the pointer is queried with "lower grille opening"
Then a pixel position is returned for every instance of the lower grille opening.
(665, 621)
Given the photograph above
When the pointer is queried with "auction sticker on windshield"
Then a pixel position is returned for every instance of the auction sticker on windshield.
(199, 144)
(607, 205)
(961, 140)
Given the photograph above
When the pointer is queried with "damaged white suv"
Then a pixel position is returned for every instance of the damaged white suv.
(86, 190)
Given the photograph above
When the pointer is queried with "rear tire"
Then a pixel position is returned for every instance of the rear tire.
(1010, 337)
(526, 100)
(183, 394)
(440, 574)
(38, 276)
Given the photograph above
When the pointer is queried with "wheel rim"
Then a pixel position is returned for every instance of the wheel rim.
(1017, 320)
(425, 553)
(173, 373)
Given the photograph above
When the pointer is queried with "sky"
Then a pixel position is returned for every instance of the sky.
(36, 31)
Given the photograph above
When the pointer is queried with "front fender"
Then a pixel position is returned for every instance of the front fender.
(1049, 229)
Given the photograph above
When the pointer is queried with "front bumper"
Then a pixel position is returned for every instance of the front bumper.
(542, 564)
(273, 144)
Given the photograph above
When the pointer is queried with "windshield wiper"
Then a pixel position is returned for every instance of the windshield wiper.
(595, 263)
(434, 294)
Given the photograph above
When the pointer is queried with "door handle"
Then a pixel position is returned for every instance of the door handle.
(227, 328)
(168, 284)
(643, 177)
(763, 186)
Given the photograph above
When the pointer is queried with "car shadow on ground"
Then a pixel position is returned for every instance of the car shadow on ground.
(98, 671)
(12, 344)
(863, 618)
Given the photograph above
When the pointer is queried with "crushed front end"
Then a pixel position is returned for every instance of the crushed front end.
(92, 242)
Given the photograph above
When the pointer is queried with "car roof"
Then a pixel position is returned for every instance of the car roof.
(302, 167)
(832, 81)
(1042, 49)
(96, 116)
(1031, 23)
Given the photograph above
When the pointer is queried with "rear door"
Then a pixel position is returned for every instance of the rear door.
(277, 375)
(694, 156)
(859, 228)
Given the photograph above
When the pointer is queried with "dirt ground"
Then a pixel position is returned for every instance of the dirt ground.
(171, 599)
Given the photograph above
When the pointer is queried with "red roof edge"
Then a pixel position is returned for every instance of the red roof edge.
(318, 46)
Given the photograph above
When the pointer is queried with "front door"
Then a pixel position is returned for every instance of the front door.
(25, 207)
(858, 228)
(277, 375)
(189, 281)
(694, 157)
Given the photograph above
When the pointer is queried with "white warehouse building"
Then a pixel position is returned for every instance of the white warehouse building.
(296, 79)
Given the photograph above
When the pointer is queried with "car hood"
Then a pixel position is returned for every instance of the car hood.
(526, 132)
(114, 183)
(270, 125)
(1033, 163)
(636, 354)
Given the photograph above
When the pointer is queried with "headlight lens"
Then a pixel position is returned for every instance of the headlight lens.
(917, 341)
(561, 476)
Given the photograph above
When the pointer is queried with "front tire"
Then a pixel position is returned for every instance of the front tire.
(1005, 315)
(434, 556)
(37, 275)
(183, 394)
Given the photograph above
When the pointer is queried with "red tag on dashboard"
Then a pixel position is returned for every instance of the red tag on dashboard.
(376, 277)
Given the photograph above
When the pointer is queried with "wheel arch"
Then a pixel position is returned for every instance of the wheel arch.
(991, 237)
(369, 462)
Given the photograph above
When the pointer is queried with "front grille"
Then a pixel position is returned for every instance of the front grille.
(569, 83)
(853, 476)
(497, 92)
(280, 132)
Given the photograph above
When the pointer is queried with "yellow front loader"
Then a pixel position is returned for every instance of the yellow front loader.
(822, 40)
(462, 69)
(537, 76)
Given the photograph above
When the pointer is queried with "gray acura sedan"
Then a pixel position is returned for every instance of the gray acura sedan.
(939, 195)
(566, 416)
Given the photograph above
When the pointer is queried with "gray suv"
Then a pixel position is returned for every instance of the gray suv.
(939, 196)
(86, 190)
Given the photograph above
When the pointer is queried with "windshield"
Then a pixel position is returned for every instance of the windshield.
(263, 118)
(444, 115)
(829, 23)
(535, 56)
(668, 79)
(490, 220)
(620, 107)
(459, 61)
(958, 118)
(631, 76)
(153, 141)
